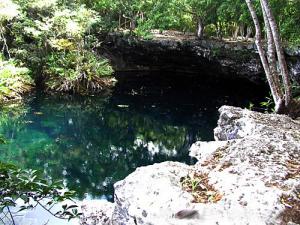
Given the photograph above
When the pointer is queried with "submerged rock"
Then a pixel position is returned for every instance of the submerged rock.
(254, 164)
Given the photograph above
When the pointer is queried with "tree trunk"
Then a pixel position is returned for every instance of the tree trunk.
(221, 31)
(200, 28)
(274, 90)
(242, 30)
(278, 94)
(279, 50)
(249, 32)
(132, 24)
(278, 78)
(120, 21)
(236, 32)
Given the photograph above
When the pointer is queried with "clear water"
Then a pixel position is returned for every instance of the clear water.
(92, 142)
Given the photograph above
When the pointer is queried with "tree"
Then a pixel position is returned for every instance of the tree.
(235, 17)
(8, 11)
(277, 76)
(203, 11)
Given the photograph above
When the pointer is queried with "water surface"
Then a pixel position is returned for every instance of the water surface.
(92, 142)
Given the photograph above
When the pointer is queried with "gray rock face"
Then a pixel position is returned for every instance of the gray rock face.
(254, 164)
(213, 58)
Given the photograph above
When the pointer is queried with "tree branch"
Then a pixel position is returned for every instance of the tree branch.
(11, 216)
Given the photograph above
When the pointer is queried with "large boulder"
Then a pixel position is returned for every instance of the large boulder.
(256, 163)
(151, 195)
(236, 123)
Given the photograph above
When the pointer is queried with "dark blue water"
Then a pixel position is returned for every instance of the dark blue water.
(92, 142)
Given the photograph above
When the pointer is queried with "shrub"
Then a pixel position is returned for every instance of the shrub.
(76, 72)
(56, 42)
(14, 80)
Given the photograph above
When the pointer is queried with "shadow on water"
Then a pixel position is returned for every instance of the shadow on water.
(92, 142)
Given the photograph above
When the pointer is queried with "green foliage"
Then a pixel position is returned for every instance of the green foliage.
(222, 17)
(289, 21)
(268, 105)
(35, 24)
(2, 140)
(8, 11)
(56, 42)
(76, 72)
(296, 90)
(33, 190)
(143, 32)
(198, 185)
(14, 80)
(251, 105)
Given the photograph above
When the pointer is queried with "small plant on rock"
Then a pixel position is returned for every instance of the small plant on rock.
(198, 185)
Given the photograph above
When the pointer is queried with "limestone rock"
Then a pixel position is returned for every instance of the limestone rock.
(235, 123)
(151, 195)
(96, 212)
(256, 167)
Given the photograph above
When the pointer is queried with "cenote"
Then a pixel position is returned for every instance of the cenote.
(93, 141)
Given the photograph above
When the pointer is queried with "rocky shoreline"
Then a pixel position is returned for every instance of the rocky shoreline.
(254, 163)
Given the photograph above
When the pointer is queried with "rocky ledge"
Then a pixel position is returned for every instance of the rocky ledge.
(185, 53)
(254, 166)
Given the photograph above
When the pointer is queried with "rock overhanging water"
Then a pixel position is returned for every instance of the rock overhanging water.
(207, 58)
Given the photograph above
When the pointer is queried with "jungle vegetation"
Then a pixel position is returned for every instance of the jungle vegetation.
(53, 44)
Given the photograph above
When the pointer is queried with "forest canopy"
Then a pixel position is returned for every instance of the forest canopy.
(221, 18)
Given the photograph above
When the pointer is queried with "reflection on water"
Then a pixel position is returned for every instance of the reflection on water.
(87, 141)
(92, 142)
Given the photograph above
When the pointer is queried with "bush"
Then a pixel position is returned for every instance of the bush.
(76, 72)
(56, 42)
(14, 80)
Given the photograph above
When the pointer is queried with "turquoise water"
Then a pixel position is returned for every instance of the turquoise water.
(92, 142)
